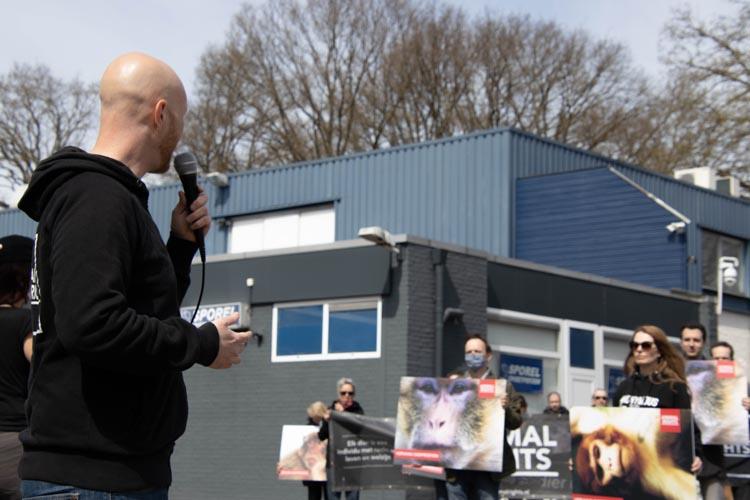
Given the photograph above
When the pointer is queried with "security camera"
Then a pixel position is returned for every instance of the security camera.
(728, 269)
(676, 227)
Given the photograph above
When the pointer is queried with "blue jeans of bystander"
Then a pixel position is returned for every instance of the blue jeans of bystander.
(42, 490)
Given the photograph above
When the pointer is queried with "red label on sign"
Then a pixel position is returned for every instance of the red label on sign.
(409, 454)
(486, 389)
(725, 369)
(670, 420)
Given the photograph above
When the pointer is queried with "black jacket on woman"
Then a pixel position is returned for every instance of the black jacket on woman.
(639, 391)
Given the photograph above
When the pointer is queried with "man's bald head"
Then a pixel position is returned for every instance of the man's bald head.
(139, 79)
(143, 107)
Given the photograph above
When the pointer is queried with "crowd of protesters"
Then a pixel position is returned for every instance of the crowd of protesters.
(654, 378)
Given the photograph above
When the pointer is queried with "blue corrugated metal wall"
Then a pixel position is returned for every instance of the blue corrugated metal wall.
(457, 190)
(592, 221)
(454, 191)
(16, 222)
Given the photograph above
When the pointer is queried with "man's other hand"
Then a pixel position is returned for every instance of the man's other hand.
(231, 344)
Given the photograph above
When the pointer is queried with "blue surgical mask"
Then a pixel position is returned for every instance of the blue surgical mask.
(475, 361)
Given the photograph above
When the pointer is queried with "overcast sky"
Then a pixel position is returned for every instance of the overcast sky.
(78, 38)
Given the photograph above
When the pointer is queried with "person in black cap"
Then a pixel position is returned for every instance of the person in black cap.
(15, 353)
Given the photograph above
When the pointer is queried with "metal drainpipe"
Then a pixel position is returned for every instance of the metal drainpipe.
(438, 264)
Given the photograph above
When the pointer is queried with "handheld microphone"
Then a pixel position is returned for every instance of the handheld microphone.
(186, 166)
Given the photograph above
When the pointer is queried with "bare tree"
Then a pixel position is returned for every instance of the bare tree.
(38, 115)
(298, 81)
(431, 70)
(712, 58)
(563, 85)
(292, 82)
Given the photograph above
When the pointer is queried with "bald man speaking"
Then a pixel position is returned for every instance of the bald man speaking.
(106, 395)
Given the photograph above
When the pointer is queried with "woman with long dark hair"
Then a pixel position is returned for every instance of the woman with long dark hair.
(656, 377)
(15, 354)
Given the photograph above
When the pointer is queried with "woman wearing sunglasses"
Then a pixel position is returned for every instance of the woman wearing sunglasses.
(345, 402)
(656, 377)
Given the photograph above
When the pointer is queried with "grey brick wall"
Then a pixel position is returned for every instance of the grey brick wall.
(230, 448)
(231, 445)
(465, 287)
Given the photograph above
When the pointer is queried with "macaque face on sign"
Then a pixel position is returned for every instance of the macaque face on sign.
(443, 405)
(607, 460)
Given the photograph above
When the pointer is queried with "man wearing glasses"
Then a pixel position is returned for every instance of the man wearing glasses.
(599, 398)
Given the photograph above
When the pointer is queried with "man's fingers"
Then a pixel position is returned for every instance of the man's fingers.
(229, 320)
(199, 202)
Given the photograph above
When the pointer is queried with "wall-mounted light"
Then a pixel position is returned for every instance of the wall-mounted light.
(218, 179)
(676, 227)
(379, 236)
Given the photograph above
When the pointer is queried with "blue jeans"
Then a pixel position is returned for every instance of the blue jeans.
(472, 485)
(50, 491)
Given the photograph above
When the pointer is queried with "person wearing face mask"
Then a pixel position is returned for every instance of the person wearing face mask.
(346, 403)
(483, 485)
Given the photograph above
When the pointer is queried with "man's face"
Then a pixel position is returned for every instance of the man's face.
(721, 353)
(553, 401)
(475, 346)
(599, 398)
(691, 341)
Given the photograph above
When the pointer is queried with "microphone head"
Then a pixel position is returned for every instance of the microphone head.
(185, 163)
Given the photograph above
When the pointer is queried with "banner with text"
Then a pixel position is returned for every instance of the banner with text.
(362, 455)
(737, 463)
(541, 447)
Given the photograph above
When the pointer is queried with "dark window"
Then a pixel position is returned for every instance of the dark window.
(299, 330)
(350, 327)
(581, 348)
(353, 331)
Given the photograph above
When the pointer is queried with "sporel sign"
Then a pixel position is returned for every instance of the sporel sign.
(212, 312)
(524, 373)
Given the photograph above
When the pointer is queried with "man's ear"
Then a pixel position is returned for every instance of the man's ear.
(159, 113)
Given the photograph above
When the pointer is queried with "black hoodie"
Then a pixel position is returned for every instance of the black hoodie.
(106, 396)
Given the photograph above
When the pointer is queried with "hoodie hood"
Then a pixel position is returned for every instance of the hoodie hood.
(65, 164)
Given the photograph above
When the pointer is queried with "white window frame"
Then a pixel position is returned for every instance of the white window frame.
(521, 318)
(338, 304)
(296, 212)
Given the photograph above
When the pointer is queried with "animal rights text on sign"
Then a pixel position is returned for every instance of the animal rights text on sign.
(362, 455)
(718, 388)
(541, 447)
(458, 423)
(632, 453)
(302, 455)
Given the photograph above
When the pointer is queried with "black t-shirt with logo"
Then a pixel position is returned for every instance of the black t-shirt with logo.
(641, 392)
(15, 325)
